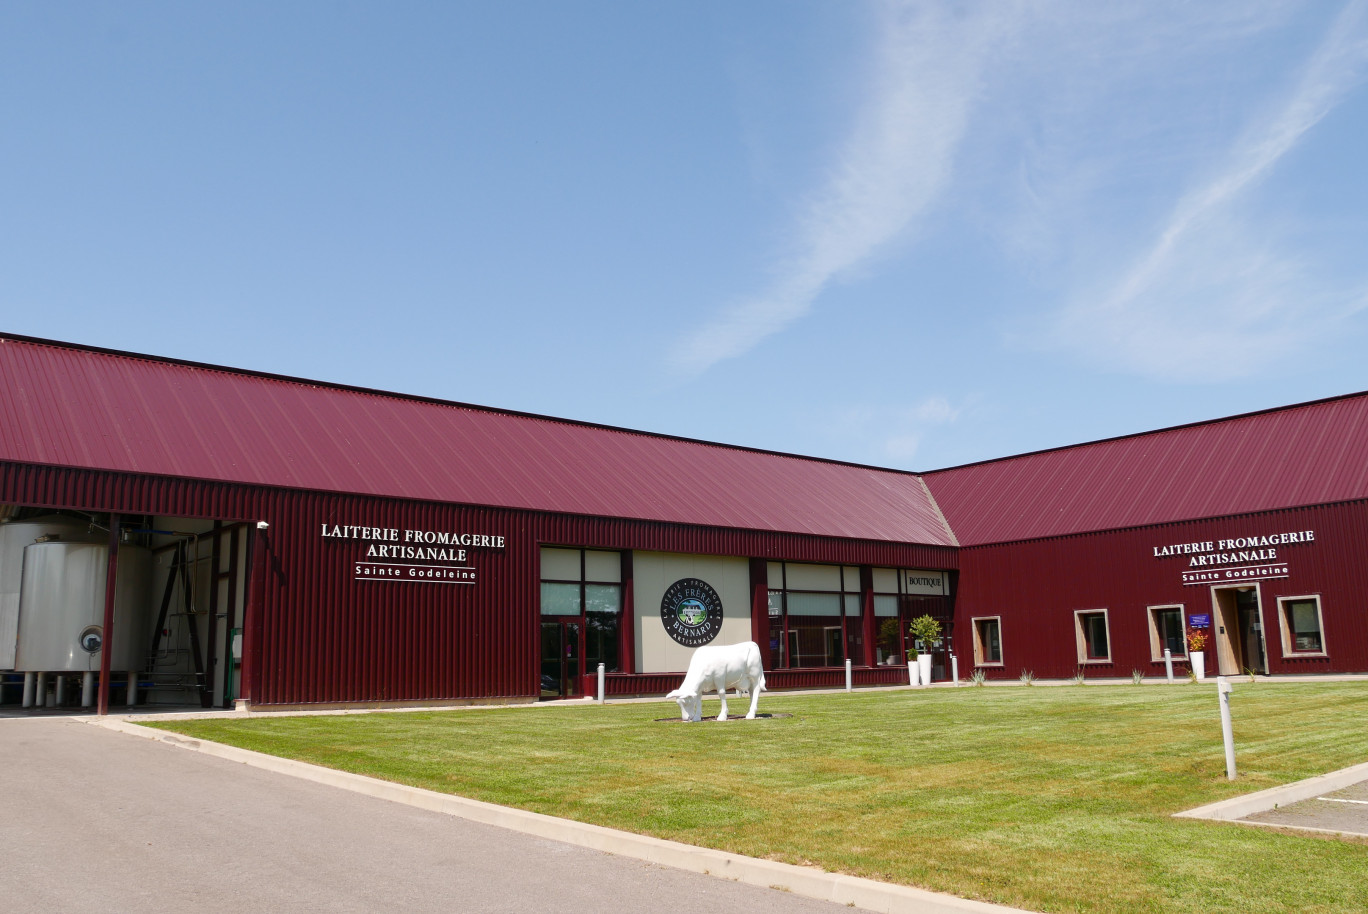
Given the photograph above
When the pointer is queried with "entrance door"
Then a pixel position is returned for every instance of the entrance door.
(560, 658)
(1251, 631)
(1239, 630)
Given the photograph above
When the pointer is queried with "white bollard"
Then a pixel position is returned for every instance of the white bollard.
(87, 689)
(28, 690)
(61, 691)
(954, 669)
(132, 689)
(41, 700)
(1223, 690)
(600, 683)
(848, 677)
(1168, 663)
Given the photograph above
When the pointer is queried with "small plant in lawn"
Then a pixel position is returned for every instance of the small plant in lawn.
(1137, 676)
(1078, 678)
(978, 677)
(1249, 673)
(1192, 675)
(1027, 677)
(924, 630)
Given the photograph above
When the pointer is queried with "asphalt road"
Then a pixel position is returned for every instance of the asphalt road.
(92, 820)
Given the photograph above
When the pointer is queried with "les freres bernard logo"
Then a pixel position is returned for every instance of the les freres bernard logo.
(691, 612)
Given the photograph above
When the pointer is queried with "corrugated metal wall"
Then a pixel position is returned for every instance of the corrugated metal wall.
(1037, 586)
(316, 635)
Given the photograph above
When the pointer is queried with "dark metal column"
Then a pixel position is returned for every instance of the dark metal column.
(759, 581)
(251, 621)
(627, 626)
(871, 624)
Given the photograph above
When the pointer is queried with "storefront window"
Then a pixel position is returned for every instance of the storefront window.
(889, 649)
(988, 642)
(1093, 643)
(814, 615)
(584, 585)
(1166, 632)
(1301, 625)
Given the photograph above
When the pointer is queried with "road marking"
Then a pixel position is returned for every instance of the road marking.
(1338, 800)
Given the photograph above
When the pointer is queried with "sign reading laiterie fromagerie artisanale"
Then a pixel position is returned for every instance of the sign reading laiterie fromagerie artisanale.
(414, 556)
(1237, 558)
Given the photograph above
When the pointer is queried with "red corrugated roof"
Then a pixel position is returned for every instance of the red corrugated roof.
(1311, 453)
(67, 405)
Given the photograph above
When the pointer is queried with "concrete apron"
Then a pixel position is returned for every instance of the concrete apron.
(808, 882)
(1237, 808)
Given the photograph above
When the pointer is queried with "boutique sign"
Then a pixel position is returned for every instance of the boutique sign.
(1235, 559)
(413, 556)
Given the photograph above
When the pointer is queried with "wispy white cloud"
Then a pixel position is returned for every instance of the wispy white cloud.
(898, 431)
(925, 80)
(1216, 291)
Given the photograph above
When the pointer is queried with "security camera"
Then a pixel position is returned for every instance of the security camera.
(262, 525)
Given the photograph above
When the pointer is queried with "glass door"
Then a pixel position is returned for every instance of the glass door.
(560, 658)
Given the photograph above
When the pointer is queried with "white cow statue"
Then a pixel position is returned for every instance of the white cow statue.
(716, 668)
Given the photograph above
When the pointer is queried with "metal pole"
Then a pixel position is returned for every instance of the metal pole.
(954, 669)
(848, 678)
(1223, 690)
(111, 571)
(1168, 663)
(600, 683)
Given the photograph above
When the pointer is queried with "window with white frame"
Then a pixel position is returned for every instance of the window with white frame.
(988, 641)
(1094, 641)
(1167, 631)
(1300, 621)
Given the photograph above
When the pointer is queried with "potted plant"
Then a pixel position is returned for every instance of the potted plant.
(1196, 642)
(925, 632)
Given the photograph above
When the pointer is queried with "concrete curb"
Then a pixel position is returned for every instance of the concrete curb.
(1237, 808)
(811, 883)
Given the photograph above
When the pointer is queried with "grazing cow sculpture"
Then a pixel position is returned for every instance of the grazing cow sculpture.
(716, 668)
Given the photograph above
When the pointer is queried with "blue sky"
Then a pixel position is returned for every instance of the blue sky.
(905, 234)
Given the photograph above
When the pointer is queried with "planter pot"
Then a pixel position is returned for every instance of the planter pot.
(924, 662)
(1198, 659)
(913, 673)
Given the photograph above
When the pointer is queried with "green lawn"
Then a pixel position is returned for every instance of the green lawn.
(1054, 799)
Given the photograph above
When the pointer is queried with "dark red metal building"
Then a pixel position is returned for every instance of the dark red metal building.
(1092, 559)
(300, 543)
(389, 549)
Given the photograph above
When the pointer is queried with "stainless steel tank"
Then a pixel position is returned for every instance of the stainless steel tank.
(61, 607)
(14, 537)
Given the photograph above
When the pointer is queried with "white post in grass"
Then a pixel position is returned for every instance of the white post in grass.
(848, 680)
(600, 683)
(1168, 663)
(954, 669)
(1223, 692)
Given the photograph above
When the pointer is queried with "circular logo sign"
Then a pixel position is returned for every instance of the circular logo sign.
(691, 611)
